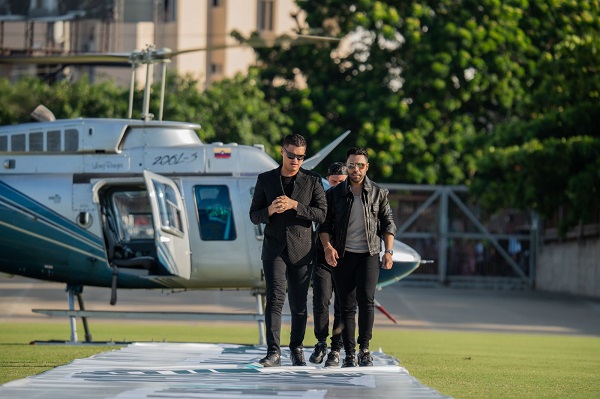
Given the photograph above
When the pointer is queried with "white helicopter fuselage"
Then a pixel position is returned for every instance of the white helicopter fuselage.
(132, 204)
(67, 165)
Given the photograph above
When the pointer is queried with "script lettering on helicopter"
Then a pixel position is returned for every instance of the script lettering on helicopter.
(175, 159)
(107, 165)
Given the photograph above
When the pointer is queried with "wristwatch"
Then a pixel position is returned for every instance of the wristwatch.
(390, 251)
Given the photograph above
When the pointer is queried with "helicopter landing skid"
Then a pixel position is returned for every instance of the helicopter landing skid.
(72, 314)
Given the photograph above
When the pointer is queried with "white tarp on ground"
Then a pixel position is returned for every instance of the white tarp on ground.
(190, 370)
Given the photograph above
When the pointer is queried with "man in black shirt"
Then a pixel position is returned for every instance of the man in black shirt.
(287, 199)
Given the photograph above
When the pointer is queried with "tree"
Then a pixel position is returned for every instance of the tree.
(548, 158)
(447, 92)
(231, 111)
(415, 81)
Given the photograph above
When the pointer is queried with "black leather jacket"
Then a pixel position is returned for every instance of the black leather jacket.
(378, 215)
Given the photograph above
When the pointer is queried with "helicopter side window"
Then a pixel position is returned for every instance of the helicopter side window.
(17, 142)
(53, 140)
(36, 141)
(71, 140)
(215, 214)
(170, 213)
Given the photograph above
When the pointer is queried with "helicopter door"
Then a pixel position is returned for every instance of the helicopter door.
(170, 225)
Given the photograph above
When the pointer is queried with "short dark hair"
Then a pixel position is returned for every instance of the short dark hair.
(337, 168)
(357, 151)
(295, 140)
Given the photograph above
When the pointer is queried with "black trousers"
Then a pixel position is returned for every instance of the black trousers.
(356, 278)
(278, 274)
(323, 288)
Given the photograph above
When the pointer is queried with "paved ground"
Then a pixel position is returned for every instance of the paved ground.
(438, 308)
(226, 371)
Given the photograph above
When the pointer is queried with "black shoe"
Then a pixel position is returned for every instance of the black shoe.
(349, 360)
(333, 359)
(297, 357)
(319, 353)
(271, 360)
(365, 359)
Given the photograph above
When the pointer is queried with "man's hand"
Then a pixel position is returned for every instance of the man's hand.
(386, 261)
(283, 203)
(331, 256)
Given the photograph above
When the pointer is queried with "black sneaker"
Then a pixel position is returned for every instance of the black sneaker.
(297, 357)
(365, 359)
(319, 353)
(333, 359)
(271, 360)
(349, 360)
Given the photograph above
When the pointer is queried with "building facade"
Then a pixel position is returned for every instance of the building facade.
(54, 27)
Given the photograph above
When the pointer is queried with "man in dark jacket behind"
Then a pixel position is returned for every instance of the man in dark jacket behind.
(288, 199)
(323, 288)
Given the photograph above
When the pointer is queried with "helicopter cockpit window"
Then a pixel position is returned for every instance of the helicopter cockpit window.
(133, 215)
(215, 214)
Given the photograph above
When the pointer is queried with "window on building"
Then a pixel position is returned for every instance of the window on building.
(170, 10)
(215, 214)
(265, 15)
(216, 68)
(3, 143)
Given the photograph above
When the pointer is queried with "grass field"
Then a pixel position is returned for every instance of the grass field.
(457, 364)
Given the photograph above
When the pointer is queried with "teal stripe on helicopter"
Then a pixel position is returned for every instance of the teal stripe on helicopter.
(21, 214)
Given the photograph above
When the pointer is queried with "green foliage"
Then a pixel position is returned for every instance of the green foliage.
(64, 99)
(232, 110)
(419, 82)
(430, 87)
(546, 158)
(235, 110)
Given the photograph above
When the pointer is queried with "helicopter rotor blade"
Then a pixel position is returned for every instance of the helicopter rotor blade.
(152, 54)
(313, 161)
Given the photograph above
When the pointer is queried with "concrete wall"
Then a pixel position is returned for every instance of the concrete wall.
(572, 267)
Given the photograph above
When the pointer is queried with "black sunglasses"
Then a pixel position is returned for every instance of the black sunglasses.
(291, 155)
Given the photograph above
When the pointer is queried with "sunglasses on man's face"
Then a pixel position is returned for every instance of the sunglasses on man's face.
(291, 155)
(359, 165)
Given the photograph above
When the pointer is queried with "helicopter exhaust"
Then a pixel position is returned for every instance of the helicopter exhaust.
(42, 114)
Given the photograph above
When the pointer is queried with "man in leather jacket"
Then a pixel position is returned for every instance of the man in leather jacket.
(358, 218)
(288, 199)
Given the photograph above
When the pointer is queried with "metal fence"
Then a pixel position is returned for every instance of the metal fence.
(463, 243)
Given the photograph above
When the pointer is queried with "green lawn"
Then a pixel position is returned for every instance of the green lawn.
(458, 364)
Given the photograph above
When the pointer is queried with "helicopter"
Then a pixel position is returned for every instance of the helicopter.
(136, 204)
